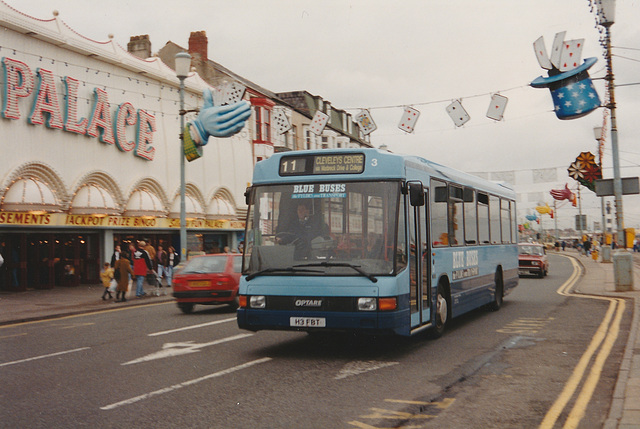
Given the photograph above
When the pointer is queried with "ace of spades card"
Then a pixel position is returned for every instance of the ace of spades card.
(318, 122)
(496, 107)
(408, 120)
(458, 114)
(365, 121)
(281, 122)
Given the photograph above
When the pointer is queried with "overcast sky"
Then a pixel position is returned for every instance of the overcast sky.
(382, 55)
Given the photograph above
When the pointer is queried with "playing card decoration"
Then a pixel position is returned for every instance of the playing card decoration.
(585, 170)
(496, 107)
(281, 121)
(365, 122)
(457, 113)
(318, 122)
(228, 93)
(571, 88)
(408, 120)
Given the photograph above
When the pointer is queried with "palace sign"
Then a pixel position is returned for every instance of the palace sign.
(19, 82)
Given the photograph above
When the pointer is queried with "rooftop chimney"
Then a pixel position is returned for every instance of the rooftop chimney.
(140, 46)
(198, 44)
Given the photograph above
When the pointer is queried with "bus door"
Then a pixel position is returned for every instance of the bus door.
(420, 257)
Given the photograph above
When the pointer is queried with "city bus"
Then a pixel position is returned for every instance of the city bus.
(368, 241)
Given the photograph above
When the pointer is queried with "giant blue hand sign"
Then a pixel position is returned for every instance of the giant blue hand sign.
(217, 121)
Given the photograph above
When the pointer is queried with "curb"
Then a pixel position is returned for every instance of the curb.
(131, 303)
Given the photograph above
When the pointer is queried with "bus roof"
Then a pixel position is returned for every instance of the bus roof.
(388, 166)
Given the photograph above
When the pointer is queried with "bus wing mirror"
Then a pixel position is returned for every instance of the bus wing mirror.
(416, 194)
(247, 195)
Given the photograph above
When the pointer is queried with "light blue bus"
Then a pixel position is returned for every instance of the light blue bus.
(369, 241)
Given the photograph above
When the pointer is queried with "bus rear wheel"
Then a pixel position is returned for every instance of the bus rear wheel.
(499, 293)
(442, 312)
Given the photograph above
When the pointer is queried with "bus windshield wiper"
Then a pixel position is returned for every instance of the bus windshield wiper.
(340, 264)
(278, 270)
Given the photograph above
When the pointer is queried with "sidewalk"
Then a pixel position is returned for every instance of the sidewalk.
(598, 279)
(35, 304)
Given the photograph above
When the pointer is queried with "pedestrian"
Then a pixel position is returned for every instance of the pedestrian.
(564, 244)
(115, 256)
(106, 275)
(161, 260)
(121, 273)
(173, 259)
(141, 265)
(150, 249)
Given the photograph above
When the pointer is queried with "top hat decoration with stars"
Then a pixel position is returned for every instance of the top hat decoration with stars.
(571, 88)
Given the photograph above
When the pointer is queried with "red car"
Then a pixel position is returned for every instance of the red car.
(532, 260)
(208, 280)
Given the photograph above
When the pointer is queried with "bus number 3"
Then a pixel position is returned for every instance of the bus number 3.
(374, 162)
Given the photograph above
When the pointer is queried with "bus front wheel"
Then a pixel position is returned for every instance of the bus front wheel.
(442, 312)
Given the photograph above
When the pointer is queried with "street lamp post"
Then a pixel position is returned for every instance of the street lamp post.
(606, 18)
(183, 64)
(597, 132)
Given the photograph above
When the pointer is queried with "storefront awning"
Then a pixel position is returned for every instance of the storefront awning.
(144, 203)
(192, 208)
(220, 209)
(93, 200)
(30, 195)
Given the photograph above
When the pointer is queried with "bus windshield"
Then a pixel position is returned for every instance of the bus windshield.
(322, 228)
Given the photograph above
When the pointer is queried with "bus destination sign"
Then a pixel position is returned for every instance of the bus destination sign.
(345, 163)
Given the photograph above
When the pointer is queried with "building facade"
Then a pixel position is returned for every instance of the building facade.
(90, 157)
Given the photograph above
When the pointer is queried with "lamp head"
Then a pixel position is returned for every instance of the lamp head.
(183, 64)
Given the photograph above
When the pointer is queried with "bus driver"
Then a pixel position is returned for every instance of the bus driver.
(302, 230)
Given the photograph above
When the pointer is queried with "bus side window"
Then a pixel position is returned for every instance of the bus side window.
(494, 219)
(470, 217)
(456, 225)
(439, 218)
(401, 250)
(483, 218)
(505, 215)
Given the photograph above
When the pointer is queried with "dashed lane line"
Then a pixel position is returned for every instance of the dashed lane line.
(183, 384)
(44, 356)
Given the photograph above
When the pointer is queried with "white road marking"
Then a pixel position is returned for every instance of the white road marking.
(177, 349)
(184, 384)
(44, 356)
(186, 328)
(359, 367)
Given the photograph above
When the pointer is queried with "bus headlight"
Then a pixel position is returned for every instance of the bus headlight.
(257, 301)
(367, 304)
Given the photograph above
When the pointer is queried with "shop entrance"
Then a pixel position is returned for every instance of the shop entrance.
(46, 260)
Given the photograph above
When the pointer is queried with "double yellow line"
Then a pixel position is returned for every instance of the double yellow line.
(604, 339)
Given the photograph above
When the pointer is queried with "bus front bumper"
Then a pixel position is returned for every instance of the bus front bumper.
(378, 322)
